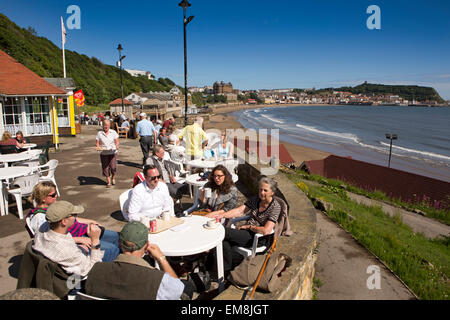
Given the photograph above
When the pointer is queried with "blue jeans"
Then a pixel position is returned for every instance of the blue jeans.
(109, 242)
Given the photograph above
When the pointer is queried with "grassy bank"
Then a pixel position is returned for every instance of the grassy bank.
(440, 214)
(423, 264)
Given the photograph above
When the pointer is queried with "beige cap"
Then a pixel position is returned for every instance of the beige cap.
(60, 210)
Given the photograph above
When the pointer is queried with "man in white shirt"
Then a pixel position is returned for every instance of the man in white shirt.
(150, 198)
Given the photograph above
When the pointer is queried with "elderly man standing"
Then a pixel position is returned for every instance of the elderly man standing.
(130, 277)
(150, 198)
(57, 244)
(147, 134)
(196, 139)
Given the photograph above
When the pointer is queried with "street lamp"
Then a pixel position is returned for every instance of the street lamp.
(185, 4)
(390, 137)
(119, 64)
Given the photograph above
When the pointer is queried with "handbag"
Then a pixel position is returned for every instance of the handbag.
(246, 273)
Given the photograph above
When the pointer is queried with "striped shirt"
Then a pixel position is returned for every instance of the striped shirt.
(37, 219)
(260, 218)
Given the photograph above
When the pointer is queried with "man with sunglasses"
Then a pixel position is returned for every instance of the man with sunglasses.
(150, 198)
(58, 245)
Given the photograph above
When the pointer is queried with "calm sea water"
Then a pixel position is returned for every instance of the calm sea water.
(423, 144)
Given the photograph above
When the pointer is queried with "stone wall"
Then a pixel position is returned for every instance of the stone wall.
(297, 280)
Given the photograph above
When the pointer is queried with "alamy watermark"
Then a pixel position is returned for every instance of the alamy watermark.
(256, 147)
(374, 281)
(374, 21)
(74, 20)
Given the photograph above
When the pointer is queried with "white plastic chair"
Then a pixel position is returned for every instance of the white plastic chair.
(26, 185)
(50, 168)
(32, 162)
(124, 200)
(196, 203)
(28, 227)
(247, 252)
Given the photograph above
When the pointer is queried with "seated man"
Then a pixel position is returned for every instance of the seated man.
(58, 245)
(150, 198)
(177, 152)
(131, 277)
(176, 189)
(126, 125)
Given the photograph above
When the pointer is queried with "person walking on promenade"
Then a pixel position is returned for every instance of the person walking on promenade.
(147, 134)
(107, 141)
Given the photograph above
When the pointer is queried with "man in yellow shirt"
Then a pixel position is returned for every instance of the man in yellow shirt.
(196, 139)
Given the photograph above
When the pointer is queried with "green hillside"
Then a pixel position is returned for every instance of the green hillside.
(100, 82)
(408, 92)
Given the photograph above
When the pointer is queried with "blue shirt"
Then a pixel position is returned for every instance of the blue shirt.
(145, 128)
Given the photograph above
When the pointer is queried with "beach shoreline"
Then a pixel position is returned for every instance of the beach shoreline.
(222, 120)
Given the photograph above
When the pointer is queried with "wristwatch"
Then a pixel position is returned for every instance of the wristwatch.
(96, 247)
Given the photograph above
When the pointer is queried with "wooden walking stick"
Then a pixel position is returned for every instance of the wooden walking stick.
(271, 250)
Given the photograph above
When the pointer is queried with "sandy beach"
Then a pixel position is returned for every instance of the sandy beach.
(222, 119)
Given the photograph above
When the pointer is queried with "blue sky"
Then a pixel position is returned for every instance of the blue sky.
(259, 44)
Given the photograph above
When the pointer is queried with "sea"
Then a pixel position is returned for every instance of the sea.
(423, 133)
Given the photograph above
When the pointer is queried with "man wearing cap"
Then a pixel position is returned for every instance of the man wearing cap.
(131, 277)
(58, 245)
(147, 134)
(150, 198)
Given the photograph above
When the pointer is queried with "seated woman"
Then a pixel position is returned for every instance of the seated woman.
(263, 211)
(44, 194)
(20, 138)
(7, 140)
(225, 148)
(224, 195)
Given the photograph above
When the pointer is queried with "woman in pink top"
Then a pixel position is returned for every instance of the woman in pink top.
(7, 140)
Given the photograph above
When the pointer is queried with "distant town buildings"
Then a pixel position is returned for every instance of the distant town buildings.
(136, 73)
(161, 105)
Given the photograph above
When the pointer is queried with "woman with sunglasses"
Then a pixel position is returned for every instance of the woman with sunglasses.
(224, 194)
(44, 194)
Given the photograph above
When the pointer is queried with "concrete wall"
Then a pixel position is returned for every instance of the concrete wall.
(297, 280)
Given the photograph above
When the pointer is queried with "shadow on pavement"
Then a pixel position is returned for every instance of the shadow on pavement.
(130, 164)
(91, 181)
(14, 268)
(117, 215)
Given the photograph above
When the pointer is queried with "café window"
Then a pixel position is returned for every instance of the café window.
(37, 113)
(12, 115)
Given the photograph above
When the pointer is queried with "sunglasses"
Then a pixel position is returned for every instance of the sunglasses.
(72, 215)
(53, 195)
(218, 175)
(155, 177)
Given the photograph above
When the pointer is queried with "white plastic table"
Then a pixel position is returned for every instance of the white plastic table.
(29, 146)
(204, 164)
(195, 239)
(10, 173)
(16, 157)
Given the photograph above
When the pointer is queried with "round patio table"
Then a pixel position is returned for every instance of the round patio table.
(28, 146)
(16, 157)
(193, 238)
(204, 164)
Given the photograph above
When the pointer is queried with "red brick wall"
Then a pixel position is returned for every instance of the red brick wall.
(395, 183)
(40, 139)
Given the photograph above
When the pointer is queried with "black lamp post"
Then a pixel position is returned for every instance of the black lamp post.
(121, 77)
(185, 4)
(390, 137)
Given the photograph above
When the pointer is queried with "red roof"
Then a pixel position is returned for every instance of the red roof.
(118, 101)
(16, 79)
